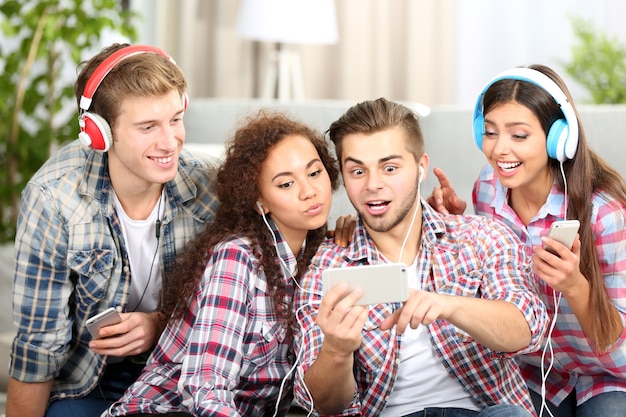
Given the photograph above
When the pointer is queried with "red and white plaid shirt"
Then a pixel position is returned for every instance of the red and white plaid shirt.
(228, 356)
(576, 365)
(459, 255)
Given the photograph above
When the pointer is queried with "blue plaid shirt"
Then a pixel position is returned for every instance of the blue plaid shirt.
(72, 261)
(459, 255)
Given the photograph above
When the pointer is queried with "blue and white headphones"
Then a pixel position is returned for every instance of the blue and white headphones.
(562, 138)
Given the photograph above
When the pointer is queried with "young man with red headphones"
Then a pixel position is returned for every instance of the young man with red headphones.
(100, 225)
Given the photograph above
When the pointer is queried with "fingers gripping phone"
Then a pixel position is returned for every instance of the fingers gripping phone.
(382, 283)
(106, 318)
(563, 231)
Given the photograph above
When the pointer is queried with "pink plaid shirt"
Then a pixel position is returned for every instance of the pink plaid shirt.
(459, 255)
(229, 355)
(576, 365)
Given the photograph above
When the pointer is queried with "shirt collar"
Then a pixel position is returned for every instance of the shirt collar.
(554, 205)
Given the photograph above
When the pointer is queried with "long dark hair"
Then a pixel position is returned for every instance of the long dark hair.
(237, 191)
(586, 173)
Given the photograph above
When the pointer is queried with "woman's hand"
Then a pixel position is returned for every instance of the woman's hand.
(444, 198)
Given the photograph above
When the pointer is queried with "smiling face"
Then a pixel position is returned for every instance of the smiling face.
(147, 139)
(515, 146)
(295, 189)
(381, 178)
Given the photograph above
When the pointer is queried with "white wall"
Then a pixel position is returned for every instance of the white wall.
(488, 36)
(494, 35)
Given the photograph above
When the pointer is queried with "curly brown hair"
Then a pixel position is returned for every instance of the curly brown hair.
(237, 191)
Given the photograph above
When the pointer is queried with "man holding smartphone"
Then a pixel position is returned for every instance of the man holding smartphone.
(449, 348)
(99, 226)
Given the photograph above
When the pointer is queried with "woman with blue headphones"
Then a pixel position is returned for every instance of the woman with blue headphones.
(540, 170)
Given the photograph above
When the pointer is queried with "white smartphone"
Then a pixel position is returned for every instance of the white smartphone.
(106, 318)
(382, 283)
(563, 231)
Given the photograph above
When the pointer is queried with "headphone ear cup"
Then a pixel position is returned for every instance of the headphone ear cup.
(557, 136)
(479, 130)
(95, 132)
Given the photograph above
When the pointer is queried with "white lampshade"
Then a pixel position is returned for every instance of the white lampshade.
(288, 21)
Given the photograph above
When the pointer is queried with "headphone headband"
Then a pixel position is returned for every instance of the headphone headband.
(108, 64)
(95, 132)
(565, 135)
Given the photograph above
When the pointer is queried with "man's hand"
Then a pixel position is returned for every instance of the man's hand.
(341, 320)
(137, 333)
(444, 198)
(422, 307)
(344, 229)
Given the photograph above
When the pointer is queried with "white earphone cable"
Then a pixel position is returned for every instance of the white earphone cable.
(556, 300)
(298, 356)
(408, 232)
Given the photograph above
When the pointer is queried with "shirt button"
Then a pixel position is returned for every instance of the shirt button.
(125, 269)
(398, 361)
(62, 395)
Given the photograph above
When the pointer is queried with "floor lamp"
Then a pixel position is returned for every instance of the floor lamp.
(287, 22)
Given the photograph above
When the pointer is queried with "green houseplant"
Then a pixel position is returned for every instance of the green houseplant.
(38, 39)
(598, 63)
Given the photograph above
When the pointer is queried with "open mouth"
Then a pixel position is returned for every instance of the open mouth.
(508, 166)
(377, 206)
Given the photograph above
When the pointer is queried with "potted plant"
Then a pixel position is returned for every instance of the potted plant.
(38, 40)
(598, 63)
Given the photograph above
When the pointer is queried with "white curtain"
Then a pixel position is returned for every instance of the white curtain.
(400, 49)
(438, 52)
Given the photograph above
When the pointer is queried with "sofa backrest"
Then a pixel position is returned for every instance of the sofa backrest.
(447, 131)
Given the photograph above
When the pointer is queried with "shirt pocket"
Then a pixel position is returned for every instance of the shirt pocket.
(371, 356)
(268, 345)
(94, 269)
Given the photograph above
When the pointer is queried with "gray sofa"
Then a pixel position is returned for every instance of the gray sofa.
(447, 132)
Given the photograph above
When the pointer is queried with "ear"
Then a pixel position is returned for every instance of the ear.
(423, 167)
(260, 208)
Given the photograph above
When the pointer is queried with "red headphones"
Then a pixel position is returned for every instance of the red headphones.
(94, 130)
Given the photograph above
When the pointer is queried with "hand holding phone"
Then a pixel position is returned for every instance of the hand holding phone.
(563, 231)
(106, 318)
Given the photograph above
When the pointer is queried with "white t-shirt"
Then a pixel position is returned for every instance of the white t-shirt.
(422, 381)
(142, 245)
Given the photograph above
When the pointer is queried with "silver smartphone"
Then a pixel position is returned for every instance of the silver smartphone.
(382, 283)
(563, 231)
(106, 318)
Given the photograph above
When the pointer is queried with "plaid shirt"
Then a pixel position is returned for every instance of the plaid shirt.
(459, 255)
(576, 365)
(72, 261)
(228, 356)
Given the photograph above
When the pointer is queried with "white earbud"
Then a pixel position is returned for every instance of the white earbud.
(260, 207)
(421, 173)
